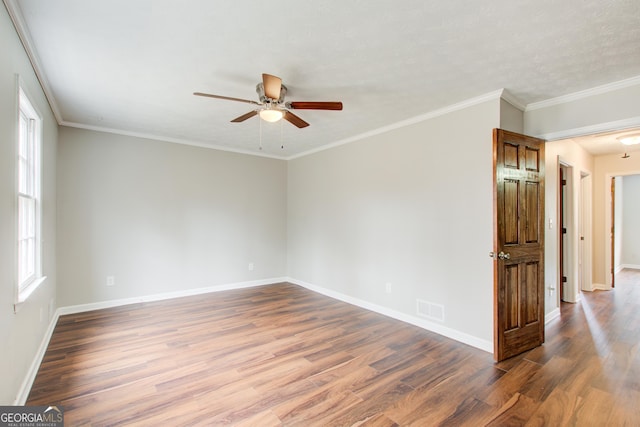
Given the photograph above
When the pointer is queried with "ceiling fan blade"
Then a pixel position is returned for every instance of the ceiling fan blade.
(244, 117)
(272, 86)
(301, 105)
(294, 120)
(228, 98)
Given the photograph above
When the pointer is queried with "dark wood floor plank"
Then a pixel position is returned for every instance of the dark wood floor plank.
(510, 383)
(282, 355)
(263, 419)
(516, 412)
(313, 407)
(597, 405)
(557, 410)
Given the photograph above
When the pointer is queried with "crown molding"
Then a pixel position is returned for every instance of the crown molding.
(598, 90)
(168, 139)
(404, 123)
(618, 125)
(513, 100)
(15, 13)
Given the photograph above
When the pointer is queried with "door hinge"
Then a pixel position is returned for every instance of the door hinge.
(564, 279)
(564, 230)
(564, 182)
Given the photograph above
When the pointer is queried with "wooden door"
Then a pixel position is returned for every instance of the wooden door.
(518, 243)
(613, 231)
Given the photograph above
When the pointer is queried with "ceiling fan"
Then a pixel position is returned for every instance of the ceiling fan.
(272, 106)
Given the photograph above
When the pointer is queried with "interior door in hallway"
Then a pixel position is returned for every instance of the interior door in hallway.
(518, 243)
(613, 231)
(562, 230)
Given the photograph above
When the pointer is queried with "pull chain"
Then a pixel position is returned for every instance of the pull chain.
(260, 120)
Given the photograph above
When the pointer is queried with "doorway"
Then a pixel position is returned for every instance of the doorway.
(616, 226)
(570, 211)
(596, 158)
(573, 231)
(584, 231)
(564, 220)
(625, 209)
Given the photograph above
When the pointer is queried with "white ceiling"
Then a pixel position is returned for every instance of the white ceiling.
(608, 142)
(132, 66)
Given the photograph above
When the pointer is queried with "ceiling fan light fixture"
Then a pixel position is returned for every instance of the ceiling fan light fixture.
(271, 115)
(272, 106)
(630, 140)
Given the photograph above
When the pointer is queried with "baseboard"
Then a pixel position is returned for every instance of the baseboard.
(412, 320)
(27, 383)
(25, 388)
(551, 316)
(619, 268)
(600, 287)
(168, 295)
(630, 266)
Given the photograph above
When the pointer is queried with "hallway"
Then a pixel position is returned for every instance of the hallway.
(588, 371)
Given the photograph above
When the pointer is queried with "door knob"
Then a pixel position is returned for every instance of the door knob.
(501, 255)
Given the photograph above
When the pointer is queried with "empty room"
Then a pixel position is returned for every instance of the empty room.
(329, 213)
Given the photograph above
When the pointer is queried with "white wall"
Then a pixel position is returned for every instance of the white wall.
(161, 217)
(630, 251)
(21, 333)
(580, 162)
(411, 207)
(511, 118)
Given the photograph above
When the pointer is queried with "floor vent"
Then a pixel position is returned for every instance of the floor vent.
(430, 310)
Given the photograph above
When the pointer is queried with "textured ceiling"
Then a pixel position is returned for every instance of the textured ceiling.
(132, 66)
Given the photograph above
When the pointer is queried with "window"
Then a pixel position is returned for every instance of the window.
(29, 268)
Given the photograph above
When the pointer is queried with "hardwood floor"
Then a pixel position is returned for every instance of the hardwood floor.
(282, 355)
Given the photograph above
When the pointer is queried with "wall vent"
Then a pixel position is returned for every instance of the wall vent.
(430, 310)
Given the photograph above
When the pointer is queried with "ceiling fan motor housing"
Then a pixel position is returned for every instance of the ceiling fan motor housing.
(263, 97)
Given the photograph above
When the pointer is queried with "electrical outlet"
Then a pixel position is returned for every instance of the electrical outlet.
(250, 266)
(111, 281)
(387, 287)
